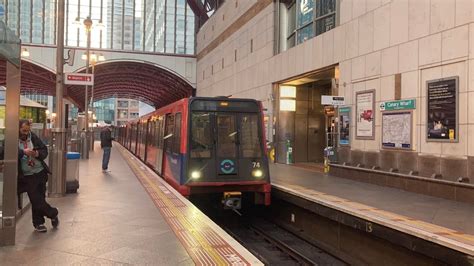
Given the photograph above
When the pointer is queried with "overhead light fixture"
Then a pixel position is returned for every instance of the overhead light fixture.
(77, 22)
(93, 57)
(287, 92)
(100, 25)
(287, 105)
(25, 52)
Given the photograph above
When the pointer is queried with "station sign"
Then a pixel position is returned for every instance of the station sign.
(79, 79)
(398, 105)
(332, 100)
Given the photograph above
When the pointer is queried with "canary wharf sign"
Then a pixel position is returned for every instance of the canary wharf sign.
(397, 105)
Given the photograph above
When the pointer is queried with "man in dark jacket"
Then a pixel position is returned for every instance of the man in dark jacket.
(33, 175)
(106, 145)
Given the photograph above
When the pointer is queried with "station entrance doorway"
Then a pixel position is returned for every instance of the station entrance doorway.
(304, 126)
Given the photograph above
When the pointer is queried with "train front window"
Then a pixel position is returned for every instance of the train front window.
(201, 135)
(226, 136)
(250, 142)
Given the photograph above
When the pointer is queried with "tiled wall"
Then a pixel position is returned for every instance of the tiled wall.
(376, 39)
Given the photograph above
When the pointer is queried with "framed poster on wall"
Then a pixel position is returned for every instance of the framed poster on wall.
(397, 130)
(365, 114)
(344, 125)
(442, 109)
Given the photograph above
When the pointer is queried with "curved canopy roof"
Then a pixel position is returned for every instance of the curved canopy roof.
(123, 79)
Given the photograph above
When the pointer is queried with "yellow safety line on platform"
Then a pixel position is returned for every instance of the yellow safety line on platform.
(180, 217)
(425, 226)
(204, 244)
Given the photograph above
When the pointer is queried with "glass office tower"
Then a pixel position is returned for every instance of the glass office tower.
(155, 26)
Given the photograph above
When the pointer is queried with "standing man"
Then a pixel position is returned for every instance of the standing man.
(106, 145)
(33, 175)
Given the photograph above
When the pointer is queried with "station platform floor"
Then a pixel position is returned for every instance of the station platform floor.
(445, 222)
(126, 216)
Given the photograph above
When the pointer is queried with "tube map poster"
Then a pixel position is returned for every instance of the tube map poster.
(396, 130)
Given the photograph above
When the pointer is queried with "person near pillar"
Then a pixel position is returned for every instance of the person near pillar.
(33, 175)
(106, 145)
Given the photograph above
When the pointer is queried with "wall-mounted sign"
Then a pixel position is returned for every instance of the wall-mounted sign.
(344, 125)
(227, 166)
(78, 79)
(365, 114)
(398, 105)
(305, 11)
(332, 100)
(397, 130)
(442, 109)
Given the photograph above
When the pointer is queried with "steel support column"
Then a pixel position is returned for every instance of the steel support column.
(57, 185)
(87, 141)
(12, 110)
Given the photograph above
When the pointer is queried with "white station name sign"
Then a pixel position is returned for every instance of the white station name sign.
(332, 100)
(79, 79)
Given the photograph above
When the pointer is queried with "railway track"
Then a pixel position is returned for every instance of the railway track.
(272, 244)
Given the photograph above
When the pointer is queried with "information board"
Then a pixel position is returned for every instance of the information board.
(397, 130)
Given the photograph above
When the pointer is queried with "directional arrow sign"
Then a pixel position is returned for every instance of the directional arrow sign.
(78, 79)
(332, 100)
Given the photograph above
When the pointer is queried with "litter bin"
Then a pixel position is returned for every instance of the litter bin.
(331, 154)
(72, 172)
(73, 145)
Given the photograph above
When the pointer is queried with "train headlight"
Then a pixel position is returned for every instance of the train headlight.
(257, 173)
(195, 174)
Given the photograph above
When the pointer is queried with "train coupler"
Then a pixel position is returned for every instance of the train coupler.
(232, 200)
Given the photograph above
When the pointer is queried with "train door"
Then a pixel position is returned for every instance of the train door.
(227, 144)
(143, 139)
(160, 129)
(137, 148)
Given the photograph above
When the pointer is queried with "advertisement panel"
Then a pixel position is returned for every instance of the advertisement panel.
(345, 125)
(365, 114)
(442, 110)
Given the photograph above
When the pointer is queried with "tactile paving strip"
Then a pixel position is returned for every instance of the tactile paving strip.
(203, 244)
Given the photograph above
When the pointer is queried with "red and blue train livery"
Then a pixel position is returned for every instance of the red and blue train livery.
(205, 146)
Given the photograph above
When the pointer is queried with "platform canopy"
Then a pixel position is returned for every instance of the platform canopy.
(141, 81)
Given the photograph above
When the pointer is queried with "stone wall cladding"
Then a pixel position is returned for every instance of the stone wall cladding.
(374, 42)
(415, 173)
(427, 186)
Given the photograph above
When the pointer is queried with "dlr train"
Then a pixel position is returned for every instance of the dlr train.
(205, 146)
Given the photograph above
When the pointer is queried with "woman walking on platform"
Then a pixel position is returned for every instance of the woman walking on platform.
(33, 175)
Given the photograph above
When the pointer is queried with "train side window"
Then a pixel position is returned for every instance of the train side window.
(200, 135)
(169, 130)
(177, 133)
(250, 142)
